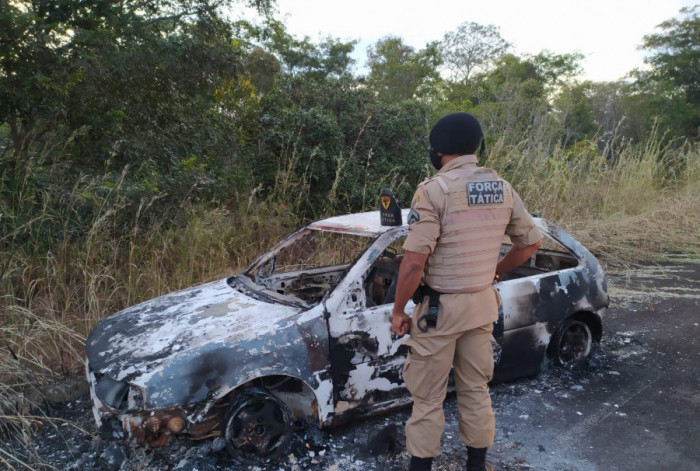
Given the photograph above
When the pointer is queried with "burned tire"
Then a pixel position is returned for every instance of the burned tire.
(571, 344)
(259, 427)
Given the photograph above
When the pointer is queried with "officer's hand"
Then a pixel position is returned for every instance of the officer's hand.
(400, 323)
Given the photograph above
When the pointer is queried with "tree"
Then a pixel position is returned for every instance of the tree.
(609, 102)
(330, 57)
(262, 68)
(472, 47)
(511, 97)
(668, 95)
(576, 113)
(399, 72)
(137, 80)
(674, 53)
(557, 69)
(329, 144)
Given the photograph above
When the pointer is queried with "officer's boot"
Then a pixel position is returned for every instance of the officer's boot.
(420, 464)
(476, 459)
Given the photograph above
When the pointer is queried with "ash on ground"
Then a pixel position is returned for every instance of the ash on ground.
(70, 441)
(632, 406)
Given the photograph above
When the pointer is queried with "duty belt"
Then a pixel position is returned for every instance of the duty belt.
(429, 319)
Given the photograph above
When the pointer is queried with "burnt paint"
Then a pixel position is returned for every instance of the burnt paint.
(360, 343)
(184, 372)
(542, 307)
(213, 370)
(559, 294)
(377, 400)
(303, 350)
(341, 356)
(521, 355)
(315, 336)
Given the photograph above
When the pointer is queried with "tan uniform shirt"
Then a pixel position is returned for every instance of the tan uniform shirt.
(459, 312)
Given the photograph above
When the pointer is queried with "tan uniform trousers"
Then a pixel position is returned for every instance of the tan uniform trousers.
(426, 379)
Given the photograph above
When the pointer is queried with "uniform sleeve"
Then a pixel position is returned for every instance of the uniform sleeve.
(424, 219)
(521, 228)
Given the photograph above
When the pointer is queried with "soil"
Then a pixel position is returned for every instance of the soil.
(634, 406)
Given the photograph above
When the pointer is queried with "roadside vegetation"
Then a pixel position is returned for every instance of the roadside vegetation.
(149, 146)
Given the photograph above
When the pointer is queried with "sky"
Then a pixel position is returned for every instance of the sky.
(607, 32)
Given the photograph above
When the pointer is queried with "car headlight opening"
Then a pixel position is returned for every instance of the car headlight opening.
(112, 392)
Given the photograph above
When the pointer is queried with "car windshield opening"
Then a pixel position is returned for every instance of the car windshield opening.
(310, 264)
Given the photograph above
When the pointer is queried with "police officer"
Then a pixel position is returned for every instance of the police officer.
(457, 222)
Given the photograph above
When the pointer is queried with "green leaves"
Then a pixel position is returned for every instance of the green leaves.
(674, 53)
(399, 72)
(671, 89)
(472, 47)
(202, 107)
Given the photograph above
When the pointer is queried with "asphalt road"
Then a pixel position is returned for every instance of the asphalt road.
(635, 406)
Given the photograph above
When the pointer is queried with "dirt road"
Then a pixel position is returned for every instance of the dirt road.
(635, 406)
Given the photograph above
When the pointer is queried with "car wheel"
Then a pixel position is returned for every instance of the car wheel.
(258, 427)
(571, 344)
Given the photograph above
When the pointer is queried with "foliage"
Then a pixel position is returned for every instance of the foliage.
(329, 145)
(576, 113)
(131, 83)
(557, 69)
(472, 47)
(329, 58)
(399, 72)
(674, 53)
(669, 93)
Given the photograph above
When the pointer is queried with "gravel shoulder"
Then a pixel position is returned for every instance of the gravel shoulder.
(634, 406)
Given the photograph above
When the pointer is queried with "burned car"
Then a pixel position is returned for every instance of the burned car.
(304, 335)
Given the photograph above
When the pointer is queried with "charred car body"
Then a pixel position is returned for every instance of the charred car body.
(304, 334)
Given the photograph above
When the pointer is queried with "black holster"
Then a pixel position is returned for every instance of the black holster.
(429, 319)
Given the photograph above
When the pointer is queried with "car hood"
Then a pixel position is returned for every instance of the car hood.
(143, 341)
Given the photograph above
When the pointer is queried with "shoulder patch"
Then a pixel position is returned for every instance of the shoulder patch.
(416, 201)
(487, 192)
(413, 216)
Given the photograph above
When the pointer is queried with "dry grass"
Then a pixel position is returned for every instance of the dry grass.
(669, 225)
(36, 350)
(50, 301)
(630, 209)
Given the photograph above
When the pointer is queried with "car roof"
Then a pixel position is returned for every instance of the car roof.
(369, 224)
(365, 224)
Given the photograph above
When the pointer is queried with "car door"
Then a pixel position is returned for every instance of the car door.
(538, 295)
(366, 357)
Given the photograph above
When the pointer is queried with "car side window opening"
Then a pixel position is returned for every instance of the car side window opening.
(551, 256)
(312, 265)
(380, 281)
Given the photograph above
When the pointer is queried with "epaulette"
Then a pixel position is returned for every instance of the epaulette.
(426, 180)
(435, 178)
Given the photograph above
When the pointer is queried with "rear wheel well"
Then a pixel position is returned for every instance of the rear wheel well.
(593, 322)
(574, 339)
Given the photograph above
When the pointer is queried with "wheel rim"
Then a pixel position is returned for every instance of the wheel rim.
(257, 426)
(575, 344)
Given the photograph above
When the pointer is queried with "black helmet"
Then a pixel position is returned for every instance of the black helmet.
(456, 133)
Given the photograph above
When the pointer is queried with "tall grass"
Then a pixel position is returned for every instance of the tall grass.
(61, 272)
(630, 206)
